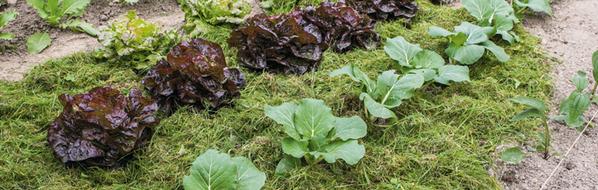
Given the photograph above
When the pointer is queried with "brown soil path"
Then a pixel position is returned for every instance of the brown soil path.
(13, 65)
(571, 36)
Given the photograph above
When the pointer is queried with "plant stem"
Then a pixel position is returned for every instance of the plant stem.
(546, 138)
(594, 90)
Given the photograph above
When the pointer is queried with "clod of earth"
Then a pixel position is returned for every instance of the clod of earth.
(101, 127)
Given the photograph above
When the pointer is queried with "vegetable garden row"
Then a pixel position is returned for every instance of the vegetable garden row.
(104, 127)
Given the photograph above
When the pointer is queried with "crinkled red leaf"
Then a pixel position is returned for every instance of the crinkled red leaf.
(385, 9)
(195, 73)
(102, 126)
(294, 42)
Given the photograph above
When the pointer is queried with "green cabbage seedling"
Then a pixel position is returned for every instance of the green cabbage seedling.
(469, 42)
(388, 92)
(493, 13)
(215, 170)
(413, 59)
(54, 11)
(535, 109)
(315, 134)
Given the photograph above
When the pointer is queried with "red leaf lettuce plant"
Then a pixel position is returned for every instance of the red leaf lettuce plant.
(101, 127)
(194, 73)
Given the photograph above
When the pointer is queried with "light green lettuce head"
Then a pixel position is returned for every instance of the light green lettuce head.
(219, 11)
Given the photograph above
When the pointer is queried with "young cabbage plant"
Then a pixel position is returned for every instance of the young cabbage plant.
(536, 109)
(469, 42)
(538, 6)
(413, 59)
(55, 11)
(315, 134)
(388, 92)
(215, 170)
(577, 103)
(5, 18)
(497, 14)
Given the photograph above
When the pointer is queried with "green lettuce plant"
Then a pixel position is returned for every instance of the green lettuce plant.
(61, 13)
(215, 170)
(411, 58)
(469, 42)
(388, 92)
(315, 134)
(5, 18)
(201, 14)
(135, 42)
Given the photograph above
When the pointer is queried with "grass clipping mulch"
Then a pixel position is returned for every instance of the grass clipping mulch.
(444, 140)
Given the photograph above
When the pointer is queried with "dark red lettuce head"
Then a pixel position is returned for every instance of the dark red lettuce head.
(284, 43)
(294, 42)
(385, 9)
(101, 127)
(194, 73)
(342, 27)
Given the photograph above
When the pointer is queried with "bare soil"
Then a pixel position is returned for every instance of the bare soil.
(571, 36)
(15, 61)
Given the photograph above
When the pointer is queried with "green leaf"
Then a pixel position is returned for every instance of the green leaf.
(528, 114)
(294, 148)
(531, 103)
(313, 119)
(436, 31)
(284, 115)
(6, 36)
(82, 26)
(248, 176)
(485, 10)
(512, 155)
(37, 42)
(468, 54)
(215, 170)
(211, 170)
(39, 5)
(7, 17)
(73, 7)
(350, 128)
(428, 59)
(503, 25)
(453, 73)
(429, 74)
(286, 164)
(498, 52)
(356, 75)
(349, 151)
(376, 109)
(541, 6)
(595, 65)
(573, 108)
(401, 50)
(580, 80)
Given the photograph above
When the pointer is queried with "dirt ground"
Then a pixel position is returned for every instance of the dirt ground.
(571, 36)
(14, 60)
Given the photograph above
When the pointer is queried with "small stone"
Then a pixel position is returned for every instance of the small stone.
(569, 166)
(103, 18)
(509, 176)
(11, 2)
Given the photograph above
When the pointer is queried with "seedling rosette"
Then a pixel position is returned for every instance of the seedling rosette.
(315, 134)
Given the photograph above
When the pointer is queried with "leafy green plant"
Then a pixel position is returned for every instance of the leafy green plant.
(388, 92)
(130, 2)
(315, 134)
(60, 13)
(37, 42)
(577, 103)
(413, 59)
(5, 18)
(539, 6)
(135, 42)
(215, 170)
(535, 109)
(469, 42)
(200, 14)
(497, 14)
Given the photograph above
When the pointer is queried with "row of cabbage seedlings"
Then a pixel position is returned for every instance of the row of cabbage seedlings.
(102, 127)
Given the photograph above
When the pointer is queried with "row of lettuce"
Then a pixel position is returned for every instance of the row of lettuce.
(102, 127)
